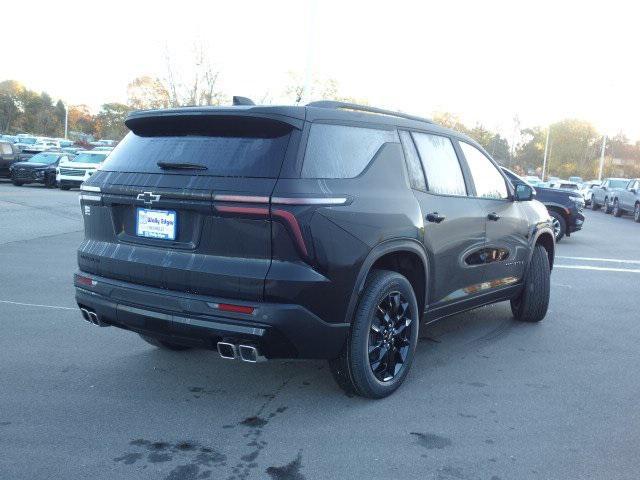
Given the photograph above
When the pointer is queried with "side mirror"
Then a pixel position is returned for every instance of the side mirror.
(524, 193)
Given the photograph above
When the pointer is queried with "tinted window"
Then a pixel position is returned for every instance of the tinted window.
(338, 151)
(486, 177)
(227, 147)
(617, 183)
(416, 175)
(441, 164)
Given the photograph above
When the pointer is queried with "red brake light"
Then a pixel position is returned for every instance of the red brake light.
(227, 307)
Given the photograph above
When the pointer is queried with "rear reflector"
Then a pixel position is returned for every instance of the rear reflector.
(227, 307)
(84, 281)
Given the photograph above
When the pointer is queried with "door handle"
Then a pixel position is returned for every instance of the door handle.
(493, 216)
(435, 217)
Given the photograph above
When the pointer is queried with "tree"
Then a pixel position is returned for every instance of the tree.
(10, 105)
(200, 87)
(110, 121)
(327, 89)
(147, 93)
(81, 120)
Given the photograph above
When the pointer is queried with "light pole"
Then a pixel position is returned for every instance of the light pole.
(546, 151)
(66, 121)
(604, 144)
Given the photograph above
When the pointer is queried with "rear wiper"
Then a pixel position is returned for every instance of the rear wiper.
(181, 166)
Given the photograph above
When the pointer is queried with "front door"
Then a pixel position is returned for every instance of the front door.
(507, 232)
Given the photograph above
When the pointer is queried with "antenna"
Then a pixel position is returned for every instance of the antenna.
(242, 101)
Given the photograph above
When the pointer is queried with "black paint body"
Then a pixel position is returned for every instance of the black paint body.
(305, 287)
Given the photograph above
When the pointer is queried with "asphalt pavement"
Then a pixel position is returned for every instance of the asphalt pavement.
(487, 397)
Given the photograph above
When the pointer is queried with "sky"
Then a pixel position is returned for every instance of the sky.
(486, 61)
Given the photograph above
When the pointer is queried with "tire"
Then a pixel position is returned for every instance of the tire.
(594, 205)
(636, 213)
(532, 304)
(617, 211)
(559, 225)
(16, 183)
(606, 206)
(362, 368)
(162, 344)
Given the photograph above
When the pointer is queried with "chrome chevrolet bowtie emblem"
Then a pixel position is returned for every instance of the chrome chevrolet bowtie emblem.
(148, 198)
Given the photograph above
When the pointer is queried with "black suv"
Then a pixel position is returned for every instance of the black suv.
(323, 231)
(565, 206)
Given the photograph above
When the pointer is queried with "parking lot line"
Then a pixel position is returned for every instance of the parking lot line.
(56, 307)
(602, 269)
(606, 260)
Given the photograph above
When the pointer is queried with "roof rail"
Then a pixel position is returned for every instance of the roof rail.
(363, 108)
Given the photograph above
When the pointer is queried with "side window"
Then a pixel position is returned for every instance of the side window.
(486, 177)
(339, 151)
(441, 164)
(416, 175)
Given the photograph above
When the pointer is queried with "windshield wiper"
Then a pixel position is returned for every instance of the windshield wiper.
(181, 166)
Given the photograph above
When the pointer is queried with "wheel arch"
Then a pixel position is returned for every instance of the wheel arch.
(400, 256)
(545, 238)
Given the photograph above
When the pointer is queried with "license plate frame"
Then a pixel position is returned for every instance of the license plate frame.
(156, 224)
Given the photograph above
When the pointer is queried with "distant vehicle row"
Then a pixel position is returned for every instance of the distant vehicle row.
(618, 196)
(60, 169)
(565, 206)
(50, 161)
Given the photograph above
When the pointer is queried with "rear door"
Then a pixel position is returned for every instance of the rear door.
(453, 221)
(183, 205)
(507, 228)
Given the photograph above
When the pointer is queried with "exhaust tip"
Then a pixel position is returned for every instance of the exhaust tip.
(227, 350)
(249, 353)
(85, 314)
(93, 318)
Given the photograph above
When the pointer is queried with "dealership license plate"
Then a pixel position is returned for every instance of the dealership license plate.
(156, 224)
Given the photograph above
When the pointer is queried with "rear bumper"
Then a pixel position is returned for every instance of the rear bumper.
(279, 330)
(576, 222)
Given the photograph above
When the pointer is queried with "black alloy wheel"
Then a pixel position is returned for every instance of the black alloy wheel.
(390, 337)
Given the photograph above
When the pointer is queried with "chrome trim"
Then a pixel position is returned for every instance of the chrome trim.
(309, 200)
(90, 198)
(88, 188)
(240, 198)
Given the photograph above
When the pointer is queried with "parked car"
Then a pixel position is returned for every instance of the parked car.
(25, 141)
(602, 195)
(40, 168)
(9, 154)
(577, 180)
(75, 170)
(627, 200)
(533, 180)
(326, 231)
(9, 138)
(564, 206)
(586, 190)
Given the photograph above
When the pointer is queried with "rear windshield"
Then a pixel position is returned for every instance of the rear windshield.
(225, 146)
